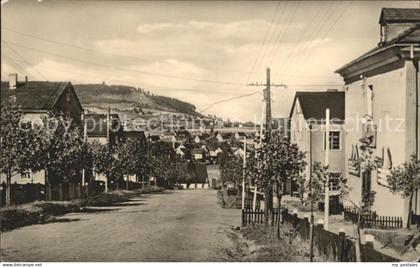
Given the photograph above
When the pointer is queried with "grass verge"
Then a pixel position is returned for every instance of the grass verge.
(289, 248)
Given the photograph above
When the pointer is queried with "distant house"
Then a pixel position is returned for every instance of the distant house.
(103, 128)
(180, 150)
(153, 138)
(240, 135)
(239, 152)
(198, 154)
(309, 109)
(227, 137)
(214, 153)
(135, 135)
(197, 139)
(382, 104)
(219, 137)
(168, 136)
(36, 99)
(280, 124)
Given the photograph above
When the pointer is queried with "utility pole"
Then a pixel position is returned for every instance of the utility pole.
(243, 178)
(327, 163)
(267, 99)
(311, 225)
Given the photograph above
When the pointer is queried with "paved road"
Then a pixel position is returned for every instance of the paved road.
(183, 225)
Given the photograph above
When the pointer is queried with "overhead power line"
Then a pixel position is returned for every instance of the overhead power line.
(24, 60)
(108, 53)
(124, 68)
(227, 100)
(280, 37)
(263, 42)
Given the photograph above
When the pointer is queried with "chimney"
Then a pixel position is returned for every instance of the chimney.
(13, 79)
(26, 80)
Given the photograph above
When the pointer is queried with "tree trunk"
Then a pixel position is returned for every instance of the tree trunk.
(268, 199)
(410, 207)
(46, 184)
(8, 182)
(357, 243)
(279, 196)
(128, 178)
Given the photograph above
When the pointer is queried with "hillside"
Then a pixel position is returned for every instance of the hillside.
(124, 98)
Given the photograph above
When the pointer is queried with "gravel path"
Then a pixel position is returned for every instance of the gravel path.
(183, 225)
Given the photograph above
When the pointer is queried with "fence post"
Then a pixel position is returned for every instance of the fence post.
(295, 218)
(368, 248)
(60, 191)
(306, 228)
(320, 223)
(283, 215)
(243, 218)
(341, 245)
(87, 190)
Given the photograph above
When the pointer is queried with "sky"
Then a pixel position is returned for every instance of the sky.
(203, 52)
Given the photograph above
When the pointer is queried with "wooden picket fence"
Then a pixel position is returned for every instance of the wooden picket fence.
(372, 220)
(250, 216)
(336, 246)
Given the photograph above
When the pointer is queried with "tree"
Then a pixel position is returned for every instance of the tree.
(314, 188)
(272, 164)
(62, 148)
(131, 157)
(16, 143)
(103, 162)
(287, 162)
(405, 180)
(231, 170)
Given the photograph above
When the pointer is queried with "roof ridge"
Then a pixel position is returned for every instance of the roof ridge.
(403, 34)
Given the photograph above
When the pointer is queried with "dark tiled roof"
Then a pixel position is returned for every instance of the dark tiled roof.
(34, 95)
(227, 135)
(154, 137)
(389, 15)
(314, 104)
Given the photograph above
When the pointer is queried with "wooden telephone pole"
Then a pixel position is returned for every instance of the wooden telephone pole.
(267, 99)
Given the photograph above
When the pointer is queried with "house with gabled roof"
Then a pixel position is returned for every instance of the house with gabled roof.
(382, 105)
(104, 128)
(37, 98)
(308, 108)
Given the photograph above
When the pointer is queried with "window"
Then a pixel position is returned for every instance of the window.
(334, 140)
(335, 181)
(25, 175)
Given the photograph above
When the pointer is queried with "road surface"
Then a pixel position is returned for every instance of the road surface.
(181, 225)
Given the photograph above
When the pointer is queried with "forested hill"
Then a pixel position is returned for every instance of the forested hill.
(102, 94)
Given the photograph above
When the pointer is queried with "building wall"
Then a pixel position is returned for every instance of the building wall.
(300, 135)
(389, 113)
(37, 177)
